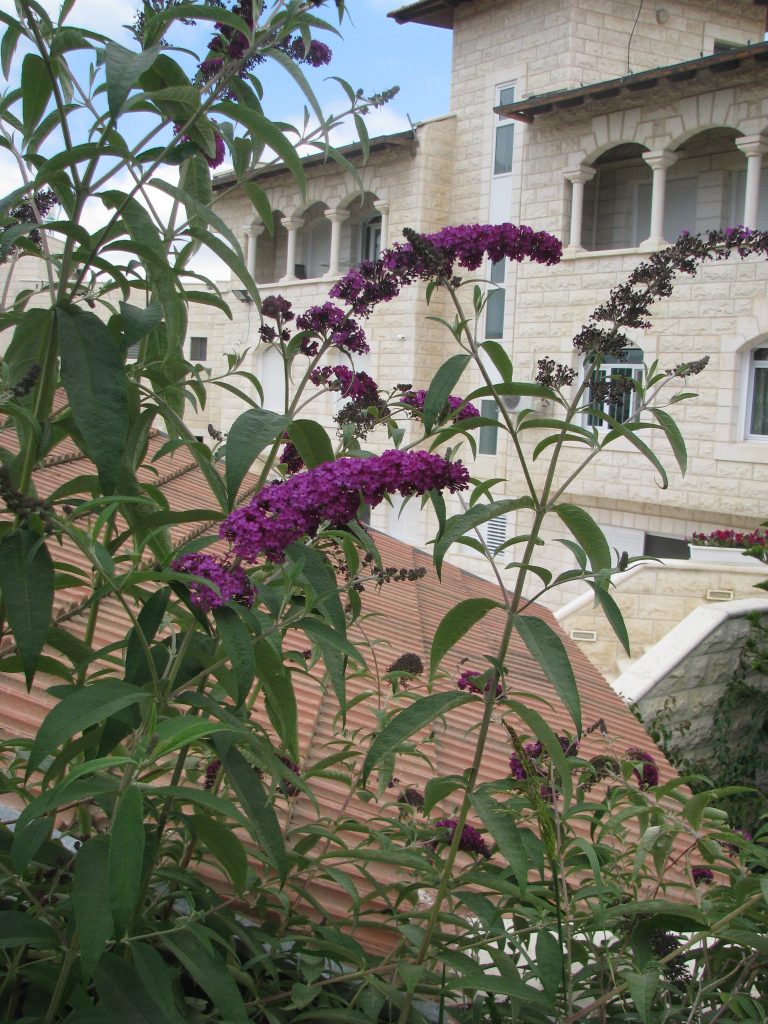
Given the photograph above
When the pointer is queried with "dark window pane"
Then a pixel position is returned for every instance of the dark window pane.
(759, 420)
(488, 439)
(502, 163)
(665, 547)
(198, 349)
(506, 95)
(494, 314)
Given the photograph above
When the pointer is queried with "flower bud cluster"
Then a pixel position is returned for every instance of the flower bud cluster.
(455, 407)
(286, 510)
(471, 840)
(336, 327)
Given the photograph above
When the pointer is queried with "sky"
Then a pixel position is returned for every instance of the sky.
(372, 54)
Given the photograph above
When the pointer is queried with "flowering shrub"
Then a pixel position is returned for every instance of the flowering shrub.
(172, 856)
(731, 539)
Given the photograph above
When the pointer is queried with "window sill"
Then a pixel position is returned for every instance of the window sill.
(742, 451)
(583, 254)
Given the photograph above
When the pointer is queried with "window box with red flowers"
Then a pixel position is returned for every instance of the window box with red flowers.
(729, 546)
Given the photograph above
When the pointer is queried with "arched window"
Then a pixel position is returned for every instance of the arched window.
(611, 387)
(272, 378)
(757, 395)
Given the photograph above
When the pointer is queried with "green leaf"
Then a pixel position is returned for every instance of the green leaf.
(439, 788)
(93, 916)
(316, 571)
(81, 708)
(137, 668)
(224, 845)
(123, 68)
(209, 971)
(278, 694)
(311, 441)
(630, 433)
(498, 356)
(441, 387)
(174, 733)
(127, 997)
(262, 820)
(675, 438)
(36, 89)
(587, 533)
(408, 721)
(252, 432)
(547, 648)
(126, 857)
(238, 645)
(158, 977)
(612, 613)
(456, 623)
(549, 963)
(27, 583)
(503, 827)
(457, 526)
(93, 377)
(138, 321)
(265, 132)
(21, 929)
(643, 988)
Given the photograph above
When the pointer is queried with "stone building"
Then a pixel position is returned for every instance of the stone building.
(614, 124)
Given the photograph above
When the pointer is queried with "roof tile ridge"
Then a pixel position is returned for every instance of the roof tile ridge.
(175, 474)
(61, 460)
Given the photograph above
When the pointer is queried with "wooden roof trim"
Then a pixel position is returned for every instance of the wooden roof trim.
(563, 99)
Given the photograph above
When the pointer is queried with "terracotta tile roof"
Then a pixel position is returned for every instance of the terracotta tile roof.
(398, 617)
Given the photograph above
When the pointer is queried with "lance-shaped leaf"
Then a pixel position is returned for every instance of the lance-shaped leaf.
(92, 375)
(224, 845)
(123, 68)
(311, 441)
(612, 612)
(675, 438)
(278, 694)
(457, 526)
(441, 387)
(93, 915)
(549, 651)
(458, 621)
(26, 585)
(407, 722)
(126, 857)
(252, 432)
(238, 645)
(262, 820)
(506, 833)
(587, 533)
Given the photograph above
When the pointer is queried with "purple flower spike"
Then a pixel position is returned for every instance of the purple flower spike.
(702, 875)
(648, 775)
(332, 492)
(232, 581)
(471, 841)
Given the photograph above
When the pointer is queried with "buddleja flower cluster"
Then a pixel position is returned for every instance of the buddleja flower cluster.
(456, 408)
(538, 759)
(471, 840)
(334, 326)
(229, 44)
(434, 258)
(628, 305)
(467, 681)
(231, 581)
(331, 493)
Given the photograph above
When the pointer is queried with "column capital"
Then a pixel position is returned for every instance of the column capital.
(581, 175)
(253, 228)
(752, 145)
(337, 216)
(292, 223)
(660, 159)
(382, 205)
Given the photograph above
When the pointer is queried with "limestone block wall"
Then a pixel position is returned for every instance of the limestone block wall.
(692, 666)
(653, 598)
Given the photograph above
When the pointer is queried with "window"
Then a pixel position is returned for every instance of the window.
(495, 533)
(738, 195)
(198, 349)
(370, 246)
(619, 400)
(488, 438)
(680, 202)
(757, 397)
(505, 134)
(494, 307)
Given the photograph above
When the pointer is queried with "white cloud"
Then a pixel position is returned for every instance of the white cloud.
(105, 16)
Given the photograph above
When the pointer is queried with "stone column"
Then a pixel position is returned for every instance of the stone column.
(252, 231)
(578, 180)
(658, 160)
(292, 225)
(753, 147)
(383, 207)
(337, 218)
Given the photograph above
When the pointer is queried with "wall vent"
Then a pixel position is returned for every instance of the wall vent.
(495, 533)
(589, 635)
(720, 595)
